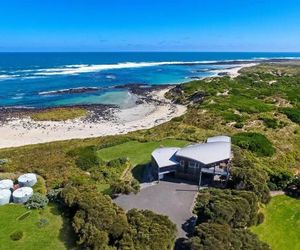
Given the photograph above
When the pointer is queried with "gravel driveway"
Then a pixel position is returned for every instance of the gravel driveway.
(169, 197)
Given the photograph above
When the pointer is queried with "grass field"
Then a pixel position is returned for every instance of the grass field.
(59, 114)
(139, 153)
(53, 235)
(281, 228)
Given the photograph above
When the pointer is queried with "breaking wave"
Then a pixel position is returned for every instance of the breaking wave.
(69, 91)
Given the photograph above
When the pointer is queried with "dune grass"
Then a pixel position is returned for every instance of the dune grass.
(282, 223)
(59, 114)
(54, 233)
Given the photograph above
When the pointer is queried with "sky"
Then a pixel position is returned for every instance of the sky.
(150, 25)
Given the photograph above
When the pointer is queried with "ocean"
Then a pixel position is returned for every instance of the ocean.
(38, 80)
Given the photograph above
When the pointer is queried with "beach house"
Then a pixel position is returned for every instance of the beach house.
(210, 159)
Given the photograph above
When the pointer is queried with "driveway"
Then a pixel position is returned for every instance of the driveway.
(169, 197)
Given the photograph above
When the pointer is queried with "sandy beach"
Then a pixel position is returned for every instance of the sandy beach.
(24, 131)
(234, 71)
(19, 131)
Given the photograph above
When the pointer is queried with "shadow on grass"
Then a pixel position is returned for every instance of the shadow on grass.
(66, 233)
(138, 172)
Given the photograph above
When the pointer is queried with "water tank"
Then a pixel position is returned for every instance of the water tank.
(5, 196)
(6, 184)
(21, 195)
(27, 180)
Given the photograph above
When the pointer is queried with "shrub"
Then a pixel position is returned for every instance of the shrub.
(177, 119)
(260, 218)
(36, 201)
(239, 125)
(125, 187)
(279, 179)
(254, 142)
(42, 222)
(246, 176)
(270, 122)
(85, 157)
(17, 235)
(98, 223)
(217, 236)
(293, 189)
(53, 194)
(117, 162)
(292, 113)
(150, 231)
(236, 208)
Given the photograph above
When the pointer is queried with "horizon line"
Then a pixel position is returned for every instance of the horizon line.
(149, 51)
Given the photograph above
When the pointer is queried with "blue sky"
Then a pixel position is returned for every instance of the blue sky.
(150, 25)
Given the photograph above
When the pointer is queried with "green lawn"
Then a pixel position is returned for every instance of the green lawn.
(281, 228)
(139, 153)
(53, 235)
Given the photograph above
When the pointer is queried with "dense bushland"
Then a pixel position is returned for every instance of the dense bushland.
(212, 236)
(236, 208)
(100, 224)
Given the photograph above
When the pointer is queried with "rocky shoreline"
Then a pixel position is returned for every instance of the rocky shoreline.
(96, 112)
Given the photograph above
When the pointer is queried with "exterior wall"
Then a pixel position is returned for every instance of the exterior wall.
(187, 168)
(154, 168)
(190, 169)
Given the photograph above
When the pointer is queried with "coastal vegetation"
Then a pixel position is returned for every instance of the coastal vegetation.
(100, 224)
(259, 109)
(59, 114)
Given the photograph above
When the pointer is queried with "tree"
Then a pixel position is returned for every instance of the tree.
(151, 230)
(246, 176)
(236, 208)
(212, 236)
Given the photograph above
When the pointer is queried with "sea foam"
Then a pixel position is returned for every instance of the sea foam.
(83, 68)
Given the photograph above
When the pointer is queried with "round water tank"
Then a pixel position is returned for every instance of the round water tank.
(27, 180)
(21, 195)
(6, 184)
(5, 196)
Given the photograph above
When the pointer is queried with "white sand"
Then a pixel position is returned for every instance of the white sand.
(234, 71)
(19, 132)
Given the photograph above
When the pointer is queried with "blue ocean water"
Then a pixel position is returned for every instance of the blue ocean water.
(42, 79)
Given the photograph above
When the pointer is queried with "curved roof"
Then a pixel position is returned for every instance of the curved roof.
(165, 157)
(6, 184)
(207, 153)
(21, 192)
(219, 138)
(5, 193)
(27, 177)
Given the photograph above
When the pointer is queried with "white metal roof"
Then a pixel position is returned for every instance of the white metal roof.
(27, 177)
(5, 193)
(6, 184)
(219, 138)
(165, 157)
(22, 192)
(207, 153)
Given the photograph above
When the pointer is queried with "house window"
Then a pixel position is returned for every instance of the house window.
(192, 164)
